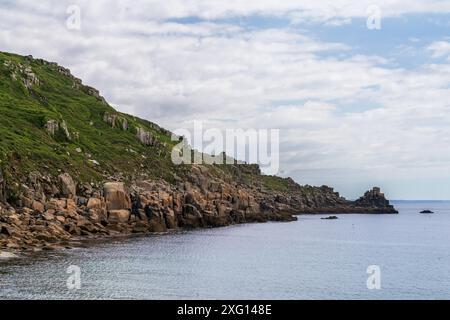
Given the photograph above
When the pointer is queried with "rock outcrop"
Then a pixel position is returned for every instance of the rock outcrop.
(204, 200)
(375, 201)
(67, 186)
(146, 137)
(116, 197)
(24, 73)
(114, 120)
(52, 126)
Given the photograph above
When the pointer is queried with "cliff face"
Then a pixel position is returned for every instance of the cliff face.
(72, 166)
(203, 200)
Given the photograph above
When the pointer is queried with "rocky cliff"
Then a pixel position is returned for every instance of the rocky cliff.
(73, 167)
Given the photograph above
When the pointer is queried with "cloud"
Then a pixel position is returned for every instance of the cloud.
(297, 10)
(344, 117)
(440, 49)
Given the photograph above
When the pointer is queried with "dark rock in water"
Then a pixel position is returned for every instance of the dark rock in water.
(426, 211)
(330, 218)
(376, 200)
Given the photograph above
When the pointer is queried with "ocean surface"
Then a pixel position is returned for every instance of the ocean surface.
(307, 259)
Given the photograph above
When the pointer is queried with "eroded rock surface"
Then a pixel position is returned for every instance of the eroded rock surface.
(49, 217)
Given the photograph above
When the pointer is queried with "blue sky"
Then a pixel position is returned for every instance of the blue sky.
(355, 107)
(401, 39)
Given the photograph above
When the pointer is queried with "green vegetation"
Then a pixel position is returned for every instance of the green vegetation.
(34, 93)
(275, 183)
(26, 145)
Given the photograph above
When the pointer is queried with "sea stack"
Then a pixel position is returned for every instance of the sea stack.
(376, 201)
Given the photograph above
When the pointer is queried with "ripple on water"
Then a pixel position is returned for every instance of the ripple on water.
(307, 259)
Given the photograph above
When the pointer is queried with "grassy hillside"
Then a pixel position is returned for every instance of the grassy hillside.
(34, 92)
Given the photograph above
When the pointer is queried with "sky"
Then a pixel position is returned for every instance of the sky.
(359, 91)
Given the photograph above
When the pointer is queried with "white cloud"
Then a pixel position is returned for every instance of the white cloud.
(440, 49)
(338, 113)
(297, 10)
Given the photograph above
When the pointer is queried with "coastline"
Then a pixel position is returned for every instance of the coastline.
(102, 172)
(280, 255)
(111, 214)
(7, 254)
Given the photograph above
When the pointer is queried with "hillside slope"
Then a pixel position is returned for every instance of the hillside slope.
(51, 121)
(60, 142)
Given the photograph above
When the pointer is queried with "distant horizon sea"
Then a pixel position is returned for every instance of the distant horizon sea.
(311, 258)
(435, 200)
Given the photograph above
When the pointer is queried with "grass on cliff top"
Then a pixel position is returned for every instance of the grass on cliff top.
(275, 183)
(26, 146)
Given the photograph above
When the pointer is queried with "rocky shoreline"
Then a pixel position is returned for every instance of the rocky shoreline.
(75, 168)
(46, 220)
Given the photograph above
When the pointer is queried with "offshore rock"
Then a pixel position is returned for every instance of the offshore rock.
(375, 200)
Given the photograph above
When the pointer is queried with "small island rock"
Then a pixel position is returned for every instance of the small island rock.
(330, 218)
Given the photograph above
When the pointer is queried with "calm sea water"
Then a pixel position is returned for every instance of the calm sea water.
(307, 259)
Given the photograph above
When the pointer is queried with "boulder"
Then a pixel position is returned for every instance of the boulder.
(119, 215)
(94, 203)
(96, 209)
(38, 206)
(140, 227)
(72, 229)
(67, 186)
(6, 230)
(48, 216)
(169, 215)
(70, 205)
(157, 226)
(56, 204)
(191, 217)
(116, 197)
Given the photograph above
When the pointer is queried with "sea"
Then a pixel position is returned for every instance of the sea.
(357, 256)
